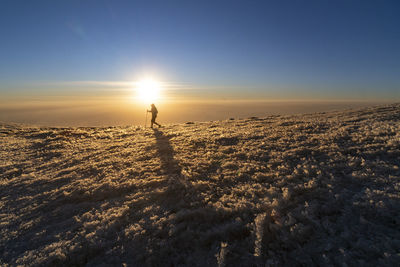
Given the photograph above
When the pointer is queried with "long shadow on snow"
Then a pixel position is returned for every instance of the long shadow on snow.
(188, 234)
(166, 154)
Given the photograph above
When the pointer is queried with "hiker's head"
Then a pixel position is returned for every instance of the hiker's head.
(152, 105)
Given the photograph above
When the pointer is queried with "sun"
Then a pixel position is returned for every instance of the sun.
(148, 91)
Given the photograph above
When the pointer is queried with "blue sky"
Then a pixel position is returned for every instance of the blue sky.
(293, 48)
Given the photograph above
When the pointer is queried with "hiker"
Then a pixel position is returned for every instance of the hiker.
(154, 112)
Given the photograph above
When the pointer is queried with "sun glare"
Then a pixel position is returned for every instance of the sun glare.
(148, 91)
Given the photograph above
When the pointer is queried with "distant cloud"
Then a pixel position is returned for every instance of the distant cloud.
(96, 83)
(112, 84)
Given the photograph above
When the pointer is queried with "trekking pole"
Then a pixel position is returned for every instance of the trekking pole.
(145, 122)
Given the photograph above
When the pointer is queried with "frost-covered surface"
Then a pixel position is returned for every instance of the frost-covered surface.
(316, 189)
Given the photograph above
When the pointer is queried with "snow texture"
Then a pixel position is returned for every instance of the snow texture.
(317, 189)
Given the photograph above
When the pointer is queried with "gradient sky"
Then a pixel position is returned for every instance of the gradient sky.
(294, 49)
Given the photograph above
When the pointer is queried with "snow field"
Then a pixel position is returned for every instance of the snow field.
(306, 190)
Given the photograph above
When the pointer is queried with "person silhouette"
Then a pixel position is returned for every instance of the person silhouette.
(154, 113)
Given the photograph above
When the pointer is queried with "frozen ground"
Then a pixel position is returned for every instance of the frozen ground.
(318, 189)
